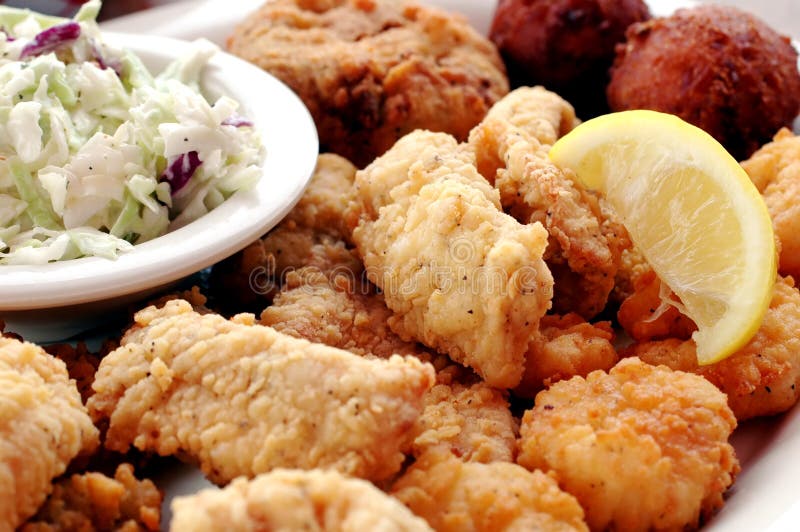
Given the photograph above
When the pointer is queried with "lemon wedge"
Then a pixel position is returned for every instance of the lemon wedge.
(691, 210)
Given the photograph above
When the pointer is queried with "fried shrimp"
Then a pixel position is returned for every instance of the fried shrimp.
(641, 447)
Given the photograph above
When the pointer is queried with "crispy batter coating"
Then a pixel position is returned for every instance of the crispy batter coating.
(460, 276)
(93, 501)
(632, 265)
(585, 243)
(336, 311)
(43, 426)
(242, 399)
(452, 495)
(565, 45)
(316, 501)
(312, 235)
(81, 365)
(371, 71)
(760, 379)
(717, 67)
(467, 418)
(565, 346)
(641, 447)
(775, 170)
(644, 315)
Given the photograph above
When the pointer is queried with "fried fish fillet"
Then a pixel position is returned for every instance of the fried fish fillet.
(242, 399)
(313, 234)
(585, 241)
(641, 447)
(338, 311)
(565, 346)
(43, 426)
(760, 379)
(453, 496)
(775, 170)
(316, 501)
(93, 501)
(460, 276)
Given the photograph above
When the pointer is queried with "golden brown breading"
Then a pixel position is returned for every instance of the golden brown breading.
(338, 311)
(242, 399)
(644, 316)
(565, 346)
(761, 378)
(456, 496)
(94, 502)
(81, 365)
(632, 266)
(43, 426)
(467, 418)
(775, 170)
(585, 243)
(641, 447)
(371, 71)
(286, 500)
(460, 276)
(313, 235)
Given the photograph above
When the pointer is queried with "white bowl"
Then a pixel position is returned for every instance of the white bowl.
(53, 301)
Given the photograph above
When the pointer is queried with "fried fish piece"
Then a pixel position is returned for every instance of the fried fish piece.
(314, 234)
(317, 501)
(760, 379)
(641, 447)
(242, 399)
(371, 71)
(565, 346)
(339, 311)
(43, 426)
(460, 276)
(93, 501)
(452, 495)
(585, 241)
(775, 170)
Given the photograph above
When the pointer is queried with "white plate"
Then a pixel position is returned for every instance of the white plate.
(48, 302)
(765, 496)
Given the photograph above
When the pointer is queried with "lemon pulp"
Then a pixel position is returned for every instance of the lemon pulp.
(691, 210)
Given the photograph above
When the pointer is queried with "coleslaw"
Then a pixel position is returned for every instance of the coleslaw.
(96, 153)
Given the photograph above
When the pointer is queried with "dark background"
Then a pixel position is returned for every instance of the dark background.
(67, 8)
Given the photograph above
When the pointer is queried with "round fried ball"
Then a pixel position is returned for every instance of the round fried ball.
(371, 71)
(641, 447)
(716, 67)
(565, 45)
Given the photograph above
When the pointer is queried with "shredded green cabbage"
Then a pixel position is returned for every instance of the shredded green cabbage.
(93, 146)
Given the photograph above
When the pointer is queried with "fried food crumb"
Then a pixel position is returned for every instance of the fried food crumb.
(94, 502)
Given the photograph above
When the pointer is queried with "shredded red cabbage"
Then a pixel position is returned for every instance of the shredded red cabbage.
(116, 66)
(51, 39)
(237, 121)
(180, 169)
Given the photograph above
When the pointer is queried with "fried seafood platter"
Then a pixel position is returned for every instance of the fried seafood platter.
(449, 331)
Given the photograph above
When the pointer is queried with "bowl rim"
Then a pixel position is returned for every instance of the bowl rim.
(290, 138)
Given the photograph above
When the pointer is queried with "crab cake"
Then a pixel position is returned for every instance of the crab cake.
(371, 71)
(641, 447)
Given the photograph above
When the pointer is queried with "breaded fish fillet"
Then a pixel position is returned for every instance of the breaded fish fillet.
(313, 234)
(775, 170)
(285, 500)
(454, 496)
(641, 447)
(585, 242)
(760, 379)
(242, 399)
(93, 501)
(337, 311)
(460, 276)
(43, 426)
